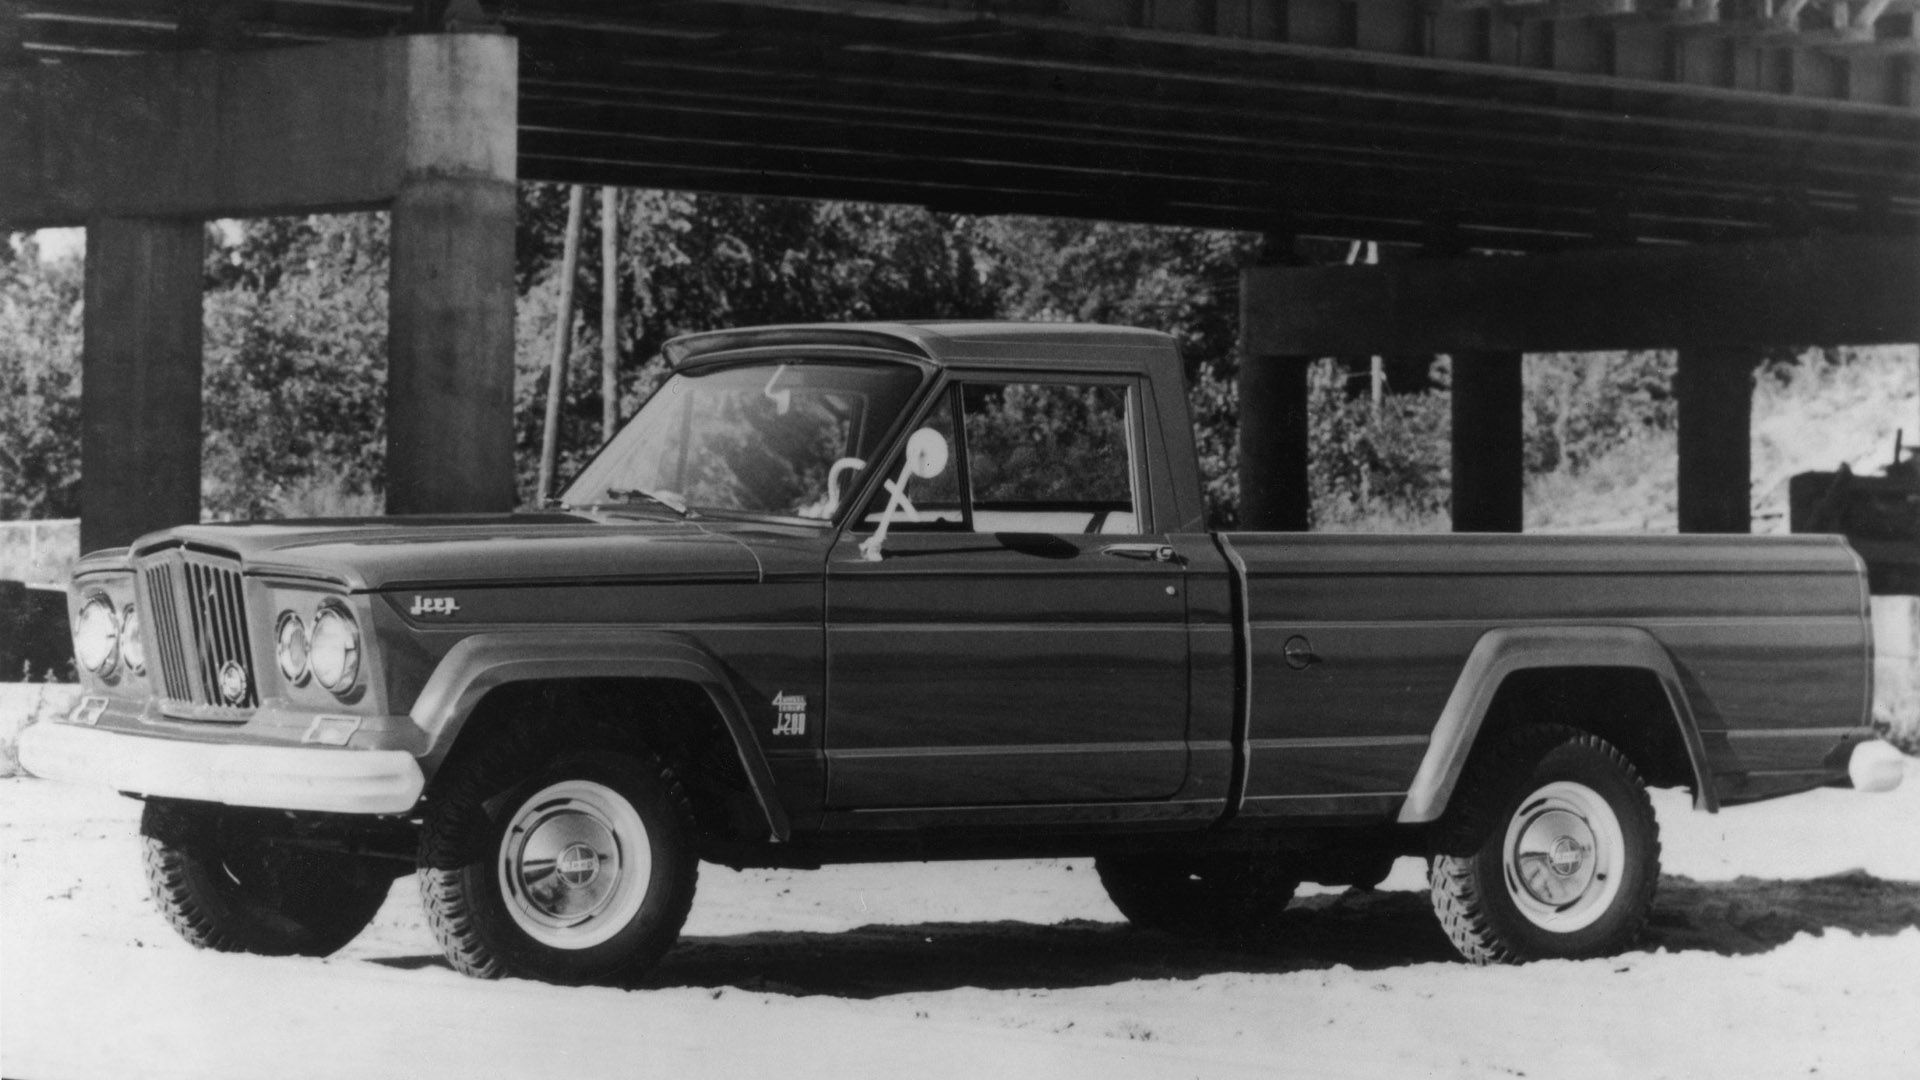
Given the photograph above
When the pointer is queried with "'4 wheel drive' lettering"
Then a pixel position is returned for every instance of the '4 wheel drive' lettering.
(966, 564)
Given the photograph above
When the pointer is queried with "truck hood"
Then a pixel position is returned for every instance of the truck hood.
(373, 554)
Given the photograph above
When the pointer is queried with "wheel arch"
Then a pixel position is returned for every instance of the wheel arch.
(482, 666)
(1510, 668)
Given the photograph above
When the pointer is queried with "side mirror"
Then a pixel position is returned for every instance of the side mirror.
(927, 453)
(926, 458)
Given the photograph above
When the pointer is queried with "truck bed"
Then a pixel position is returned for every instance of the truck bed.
(1768, 638)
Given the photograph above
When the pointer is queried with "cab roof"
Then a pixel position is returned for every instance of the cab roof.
(938, 341)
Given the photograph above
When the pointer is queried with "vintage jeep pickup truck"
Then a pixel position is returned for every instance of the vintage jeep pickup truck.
(932, 590)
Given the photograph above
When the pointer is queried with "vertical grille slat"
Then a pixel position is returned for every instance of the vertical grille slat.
(163, 627)
(202, 628)
(179, 683)
(223, 626)
(193, 649)
(235, 619)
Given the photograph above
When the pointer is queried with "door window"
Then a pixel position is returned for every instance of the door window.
(1031, 458)
(1050, 457)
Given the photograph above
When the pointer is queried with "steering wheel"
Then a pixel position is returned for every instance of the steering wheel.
(845, 464)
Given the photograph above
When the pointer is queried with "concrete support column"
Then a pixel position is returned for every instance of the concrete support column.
(1488, 443)
(1714, 391)
(450, 348)
(1274, 493)
(140, 385)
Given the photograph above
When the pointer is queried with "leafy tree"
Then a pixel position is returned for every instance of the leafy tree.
(1384, 468)
(296, 344)
(1581, 406)
(295, 373)
(39, 383)
(1182, 281)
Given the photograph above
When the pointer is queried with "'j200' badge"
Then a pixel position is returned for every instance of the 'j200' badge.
(791, 714)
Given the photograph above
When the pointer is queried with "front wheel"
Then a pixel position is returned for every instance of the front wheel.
(1551, 852)
(576, 870)
(227, 879)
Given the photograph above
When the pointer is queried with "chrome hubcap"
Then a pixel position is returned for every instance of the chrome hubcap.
(1563, 856)
(574, 864)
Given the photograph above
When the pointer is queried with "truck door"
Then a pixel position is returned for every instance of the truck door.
(1021, 639)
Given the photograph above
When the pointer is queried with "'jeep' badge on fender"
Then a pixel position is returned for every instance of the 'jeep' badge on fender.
(433, 605)
(792, 714)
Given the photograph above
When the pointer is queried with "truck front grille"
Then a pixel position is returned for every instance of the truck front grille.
(200, 643)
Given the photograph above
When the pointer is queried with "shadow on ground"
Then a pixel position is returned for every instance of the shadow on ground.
(1755, 915)
(1368, 931)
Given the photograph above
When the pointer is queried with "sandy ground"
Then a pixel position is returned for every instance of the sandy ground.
(1786, 942)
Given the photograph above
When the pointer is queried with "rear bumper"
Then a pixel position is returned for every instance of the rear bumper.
(280, 777)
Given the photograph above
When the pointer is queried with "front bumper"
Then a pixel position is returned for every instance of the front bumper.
(280, 777)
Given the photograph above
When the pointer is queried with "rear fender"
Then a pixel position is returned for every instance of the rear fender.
(487, 661)
(1500, 653)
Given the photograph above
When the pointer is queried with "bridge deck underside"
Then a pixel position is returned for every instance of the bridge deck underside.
(1438, 122)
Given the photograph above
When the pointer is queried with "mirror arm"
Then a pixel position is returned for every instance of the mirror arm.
(896, 497)
(926, 458)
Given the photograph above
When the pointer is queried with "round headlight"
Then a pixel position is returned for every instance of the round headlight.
(96, 635)
(291, 647)
(132, 646)
(335, 652)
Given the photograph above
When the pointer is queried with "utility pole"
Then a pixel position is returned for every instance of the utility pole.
(562, 342)
(609, 312)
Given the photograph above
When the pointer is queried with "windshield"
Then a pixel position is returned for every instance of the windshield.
(787, 439)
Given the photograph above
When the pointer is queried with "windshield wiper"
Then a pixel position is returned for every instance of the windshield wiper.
(671, 502)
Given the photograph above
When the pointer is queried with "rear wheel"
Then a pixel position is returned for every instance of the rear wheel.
(1217, 896)
(1553, 851)
(576, 869)
(227, 881)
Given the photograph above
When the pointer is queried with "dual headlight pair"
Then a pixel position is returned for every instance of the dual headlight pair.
(330, 654)
(102, 637)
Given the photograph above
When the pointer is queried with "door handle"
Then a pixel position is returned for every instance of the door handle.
(1142, 552)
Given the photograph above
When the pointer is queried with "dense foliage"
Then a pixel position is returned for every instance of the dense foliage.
(296, 343)
(39, 385)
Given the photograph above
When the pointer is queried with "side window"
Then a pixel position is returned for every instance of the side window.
(1050, 457)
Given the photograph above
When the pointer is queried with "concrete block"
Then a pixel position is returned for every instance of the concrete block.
(34, 639)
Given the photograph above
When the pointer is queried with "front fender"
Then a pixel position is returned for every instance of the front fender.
(1500, 653)
(486, 661)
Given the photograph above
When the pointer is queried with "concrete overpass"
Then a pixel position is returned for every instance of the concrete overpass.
(1715, 176)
